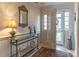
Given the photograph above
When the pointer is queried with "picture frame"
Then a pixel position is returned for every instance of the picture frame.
(23, 16)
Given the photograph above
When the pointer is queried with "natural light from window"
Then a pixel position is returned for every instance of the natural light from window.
(45, 22)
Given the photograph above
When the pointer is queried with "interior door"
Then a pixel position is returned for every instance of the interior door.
(48, 28)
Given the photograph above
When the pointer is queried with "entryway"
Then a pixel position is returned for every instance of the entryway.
(63, 34)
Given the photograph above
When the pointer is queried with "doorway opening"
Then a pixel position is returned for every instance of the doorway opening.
(62, 29)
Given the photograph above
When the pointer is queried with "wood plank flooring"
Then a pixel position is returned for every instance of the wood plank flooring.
(45, 52)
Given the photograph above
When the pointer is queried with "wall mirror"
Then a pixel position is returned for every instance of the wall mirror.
(23, 16)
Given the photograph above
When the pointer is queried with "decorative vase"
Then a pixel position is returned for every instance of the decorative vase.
(34, 30)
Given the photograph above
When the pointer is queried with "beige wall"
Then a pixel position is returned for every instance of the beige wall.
(10, 11)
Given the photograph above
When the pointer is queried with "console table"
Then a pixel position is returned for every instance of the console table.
(16, 41)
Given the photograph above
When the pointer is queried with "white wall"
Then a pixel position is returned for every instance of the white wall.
(76, 29)
(76, 6)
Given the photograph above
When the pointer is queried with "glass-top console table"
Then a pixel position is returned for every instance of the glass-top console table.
(23, 44)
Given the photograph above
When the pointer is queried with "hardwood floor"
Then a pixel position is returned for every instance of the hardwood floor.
(45, 52)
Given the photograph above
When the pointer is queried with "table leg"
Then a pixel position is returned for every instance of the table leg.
(11, 48)
(16, 49)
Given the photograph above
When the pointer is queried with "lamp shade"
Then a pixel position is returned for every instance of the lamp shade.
(11, 24)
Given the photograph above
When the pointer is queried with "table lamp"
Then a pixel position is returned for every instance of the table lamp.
(11, 24)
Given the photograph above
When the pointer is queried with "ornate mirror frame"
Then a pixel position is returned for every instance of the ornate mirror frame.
(23, 16)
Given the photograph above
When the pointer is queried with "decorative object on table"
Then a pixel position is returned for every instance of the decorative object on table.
(23, 16)
(34, 30)
(11, 24)
(30, 30)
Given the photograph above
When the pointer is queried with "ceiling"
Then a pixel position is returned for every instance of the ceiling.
(55, 4)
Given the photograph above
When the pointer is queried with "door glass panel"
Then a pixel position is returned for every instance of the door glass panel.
(67, 19)
(59, 23)
(66, 28)
(66, 13)
(58, 15)
(45, 16)
(45, 22)
(58, 36)
(62, 25)
(66, 23)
